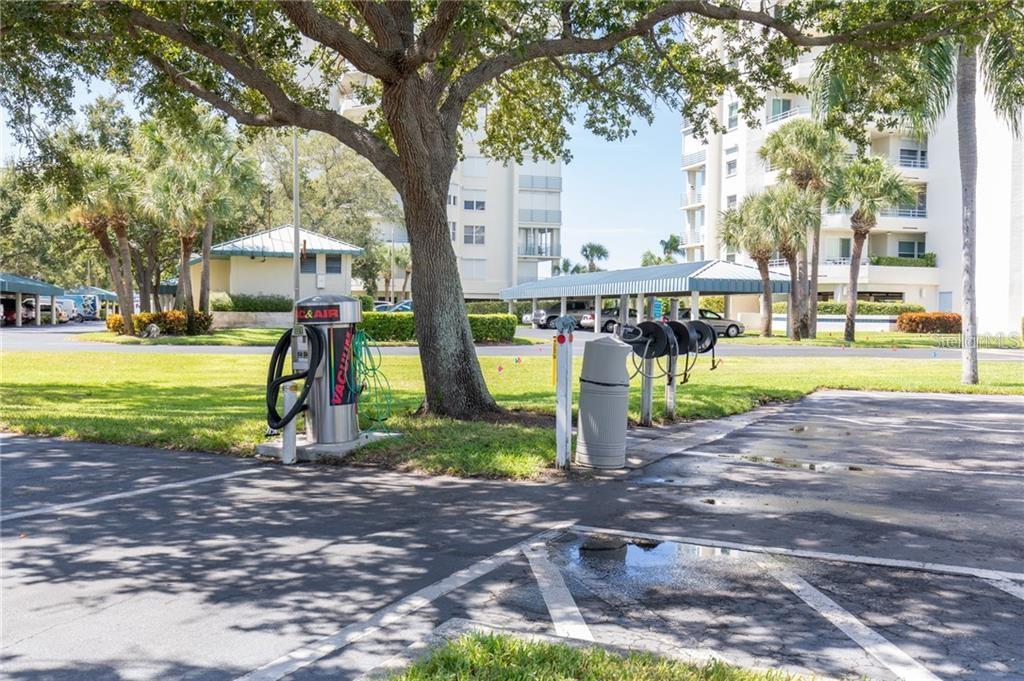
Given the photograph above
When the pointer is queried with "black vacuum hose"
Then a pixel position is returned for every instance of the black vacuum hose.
(275, 380)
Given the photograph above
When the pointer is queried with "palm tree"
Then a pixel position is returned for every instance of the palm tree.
(940, 70)
(566, 267)
(805, 153)
(671, 247)
(649, 258)
(592, 252)
(789, 214)
(866, 186)
(741, 229)
(101, 197)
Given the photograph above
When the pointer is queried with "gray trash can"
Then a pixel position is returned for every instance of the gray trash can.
(604, 402)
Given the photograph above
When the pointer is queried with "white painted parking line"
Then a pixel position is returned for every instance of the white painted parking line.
(57, 508)
(389, 614)
(565, 615)
(1009, 587)
(876, 645)
(921, 566)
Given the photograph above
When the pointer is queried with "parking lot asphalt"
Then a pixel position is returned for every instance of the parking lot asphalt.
(62, 339)
(873, 534)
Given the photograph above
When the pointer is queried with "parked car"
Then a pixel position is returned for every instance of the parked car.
(27, 313)
(62, 316)
(609, 318)
(721, 325)
(404, 306)
(545, 317)
(71, 308)
(382, 305)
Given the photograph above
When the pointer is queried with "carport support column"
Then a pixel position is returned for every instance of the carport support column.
(512, 307)
(533, 312)
(597, 314)
(670, 380)
(39, 312)
(564, 308)
(647, 380)
(694, 305)
(17, 308)
(53, 310)
(623, 313)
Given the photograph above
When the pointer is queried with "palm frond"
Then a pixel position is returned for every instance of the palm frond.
(1002, 67)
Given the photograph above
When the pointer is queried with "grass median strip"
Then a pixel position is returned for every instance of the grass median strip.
(250, 337)
(216, 402)
(880, 339)
(500, 656)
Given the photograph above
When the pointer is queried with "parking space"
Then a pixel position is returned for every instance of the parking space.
(846, 534)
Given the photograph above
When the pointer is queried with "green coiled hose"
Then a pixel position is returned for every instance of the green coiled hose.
(375, 403)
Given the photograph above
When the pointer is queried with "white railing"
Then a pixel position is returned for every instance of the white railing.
(781, 262)
(912, 162)
(788, 113)
(691, 199)
(694, 158)
(905, 212)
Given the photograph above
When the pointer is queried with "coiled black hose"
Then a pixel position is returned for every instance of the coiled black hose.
(275, 380)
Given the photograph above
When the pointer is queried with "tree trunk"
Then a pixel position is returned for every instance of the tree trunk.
(803, 321)
(793, 308)
(186, 303)
(851, 304)
(405, 281)
(125, 249)
(153, 268)
(204, 278)
(453, 382)
(144, 280)
(812, 295)
(967, 137)
(766, 298)
(110, 254)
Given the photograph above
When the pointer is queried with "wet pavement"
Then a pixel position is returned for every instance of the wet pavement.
(845, 535)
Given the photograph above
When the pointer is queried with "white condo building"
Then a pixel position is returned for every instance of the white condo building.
(505, 220)
(719, 173)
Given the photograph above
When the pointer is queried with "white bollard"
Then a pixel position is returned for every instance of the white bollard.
(563, 391)
(288, 438)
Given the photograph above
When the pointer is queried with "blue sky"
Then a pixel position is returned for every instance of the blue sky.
(624, 195)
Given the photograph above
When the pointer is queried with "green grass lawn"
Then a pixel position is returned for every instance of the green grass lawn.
(488, 656)
(240, 337)
(879, 339)
(216, 402)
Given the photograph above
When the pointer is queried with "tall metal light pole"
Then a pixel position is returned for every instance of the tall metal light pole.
(295, 209)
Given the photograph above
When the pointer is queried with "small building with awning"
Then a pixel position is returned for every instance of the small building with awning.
(261, 264)
(16, 289)
(637, 287)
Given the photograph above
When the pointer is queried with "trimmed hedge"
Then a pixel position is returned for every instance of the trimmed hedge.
(241, 302)
(170, 323)
(863, 307)
(929, 322)
(399, 326)
(926, 260)
(499, 307)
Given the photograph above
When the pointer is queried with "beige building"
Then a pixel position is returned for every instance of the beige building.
(261, 264)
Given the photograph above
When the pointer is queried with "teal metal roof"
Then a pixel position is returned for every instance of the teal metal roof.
(12, 283)
(716, 277)
(278, 243)
(101, 293)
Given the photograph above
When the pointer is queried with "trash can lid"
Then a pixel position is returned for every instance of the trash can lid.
(604, 361)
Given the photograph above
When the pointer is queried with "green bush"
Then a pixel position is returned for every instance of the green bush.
(926, 260)
(115, 323)
(241, 302)
(500, 307)
(399, 326)
(365, 302)
(929, 322)
(863, 307)
(199, 323)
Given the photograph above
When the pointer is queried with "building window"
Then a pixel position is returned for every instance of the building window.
(844, 248)
(474, 205)
(473, 234)
(734, 116)
(453, 228)
(730, 168)
(780, 109)
(333, 264)
(474, 269)
(453, 200)
(913, 153)
(307, 263)
(910, 249)
(730, 201)
(540, 182)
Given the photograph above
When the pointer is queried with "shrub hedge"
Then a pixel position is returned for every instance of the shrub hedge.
(365, 303)
(863, 307)
(926, 260)
(170, 322)
(929, 322)
(241, 302)
(499, 307)
(399, 326)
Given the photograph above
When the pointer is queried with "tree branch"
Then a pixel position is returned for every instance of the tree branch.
(433, 36)
(381, 23)
(327, 31)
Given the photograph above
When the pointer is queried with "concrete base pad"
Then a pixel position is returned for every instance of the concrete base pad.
(313, 452)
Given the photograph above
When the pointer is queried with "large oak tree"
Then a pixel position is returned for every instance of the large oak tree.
(531, 67)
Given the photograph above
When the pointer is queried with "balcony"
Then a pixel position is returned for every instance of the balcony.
(909, 162)
(904, 212)
(695, 158)
(542, 216)
(788, 113)
(693, 198)
(540, 250)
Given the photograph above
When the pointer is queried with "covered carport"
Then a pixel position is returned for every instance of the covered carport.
(18, 287)
(644, 284)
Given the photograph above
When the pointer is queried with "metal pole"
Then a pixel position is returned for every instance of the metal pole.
(295, 212)
(563, 392)
(647, 382)
(670, 380)
(288, 439)
(597, 314)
